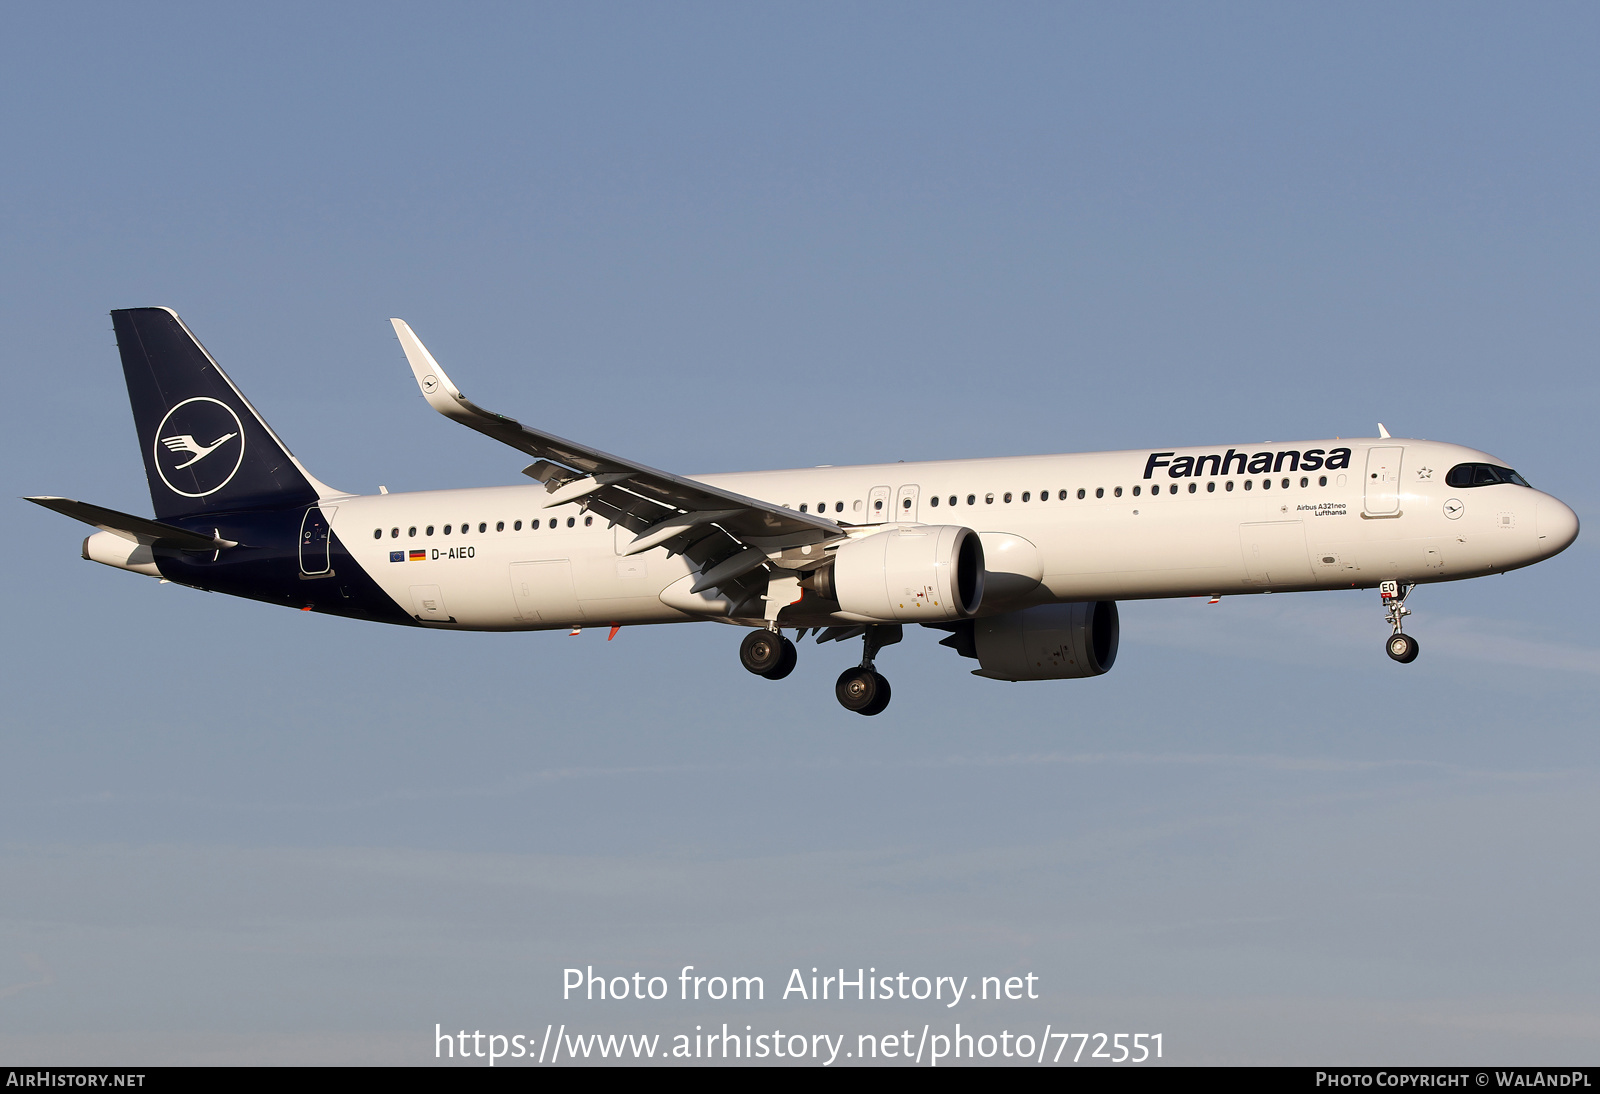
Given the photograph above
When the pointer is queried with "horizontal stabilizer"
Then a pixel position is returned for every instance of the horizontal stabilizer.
(142, 530)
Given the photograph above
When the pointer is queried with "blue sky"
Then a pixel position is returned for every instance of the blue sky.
(726, 237)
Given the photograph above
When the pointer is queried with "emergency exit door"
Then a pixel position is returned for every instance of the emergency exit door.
(905, 503)
(878, 505)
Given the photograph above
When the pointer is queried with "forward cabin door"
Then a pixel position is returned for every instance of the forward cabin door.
(905, 505)
(1383, 481)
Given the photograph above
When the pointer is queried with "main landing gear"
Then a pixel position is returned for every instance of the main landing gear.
(1401, 646)
(861, 689)
(768, 653)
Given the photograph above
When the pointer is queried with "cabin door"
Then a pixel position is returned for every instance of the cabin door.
(1383, 481)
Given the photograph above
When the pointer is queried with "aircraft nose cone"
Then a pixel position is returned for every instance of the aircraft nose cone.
(1557, 525)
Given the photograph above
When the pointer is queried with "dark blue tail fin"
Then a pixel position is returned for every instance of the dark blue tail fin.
(206, 450)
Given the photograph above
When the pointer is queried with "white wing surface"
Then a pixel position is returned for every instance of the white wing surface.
(658, 506)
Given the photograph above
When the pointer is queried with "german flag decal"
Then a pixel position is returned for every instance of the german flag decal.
(419, 556)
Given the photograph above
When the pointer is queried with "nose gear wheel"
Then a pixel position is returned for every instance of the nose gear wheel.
(1400, 646)
(1403, 648)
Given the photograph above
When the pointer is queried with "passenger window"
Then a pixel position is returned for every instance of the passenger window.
(1117, 492)
(1099, 492)
(988, 499)
(483, 526)
(588, 522)
(1193, 488)
(803, 508)
(906, 504)
(877, 505)
(1249, 484)
(1211, 487)
(1063, 496)
(1008, 497)
(1266, 484)
(552, 522)
(1154, 489)
(1322, 480)
(838, 507)
(1285, 484)
(1080, 493)
(412, 531)
(1304, 482)
(516, 526)
(572, 522)
(972, 499)
(430, 530)
(952, 499)
(377, 533)
(448, 528)
(1025, 495)
(934, 501)
(499, 526)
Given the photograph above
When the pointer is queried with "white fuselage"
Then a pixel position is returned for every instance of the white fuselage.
(1054, 529)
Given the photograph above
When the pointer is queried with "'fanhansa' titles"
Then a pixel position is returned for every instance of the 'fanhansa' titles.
(1257, 463)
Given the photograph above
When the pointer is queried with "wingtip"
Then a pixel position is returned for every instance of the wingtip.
(436, 385)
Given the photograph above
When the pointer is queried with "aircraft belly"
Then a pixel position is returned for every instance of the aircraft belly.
(1114, 553)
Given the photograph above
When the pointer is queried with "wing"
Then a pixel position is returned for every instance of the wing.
(184, 443)
(658, 506)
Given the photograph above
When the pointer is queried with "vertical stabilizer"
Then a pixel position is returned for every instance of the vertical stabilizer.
(205, 448)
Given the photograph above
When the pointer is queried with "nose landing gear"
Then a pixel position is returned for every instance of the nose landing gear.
(1400, 646)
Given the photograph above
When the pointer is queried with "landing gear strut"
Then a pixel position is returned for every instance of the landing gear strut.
(863, 689)
(768, 653)
(1401, 646)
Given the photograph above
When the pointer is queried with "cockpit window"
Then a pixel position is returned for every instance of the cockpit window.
(1482, 474)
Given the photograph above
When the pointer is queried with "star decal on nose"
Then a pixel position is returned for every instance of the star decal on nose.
(1424, 472)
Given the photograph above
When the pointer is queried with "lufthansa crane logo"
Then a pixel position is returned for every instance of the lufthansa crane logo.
(199, 447)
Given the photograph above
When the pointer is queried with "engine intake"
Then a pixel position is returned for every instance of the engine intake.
(923, 573)
(1047, 642)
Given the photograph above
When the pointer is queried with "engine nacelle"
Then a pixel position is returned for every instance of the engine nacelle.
(1048, 642)
(918, 574)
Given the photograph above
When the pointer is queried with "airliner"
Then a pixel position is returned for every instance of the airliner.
(1020, 560)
